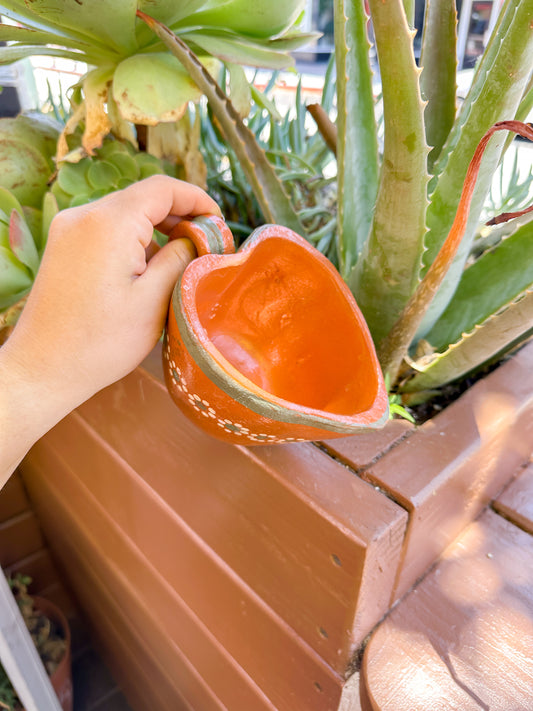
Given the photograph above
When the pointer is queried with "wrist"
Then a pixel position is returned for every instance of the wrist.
(31, 403)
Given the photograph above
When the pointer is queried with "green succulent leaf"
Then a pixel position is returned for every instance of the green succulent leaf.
(238, 50)
(357, 143)
(25, 171)
(240, 90)
(107, 24)
(260, 174)
(149, 88)
(260, 19)
(71, 178)
(34, 220)
(50, 210)
(14, 276)
(102, 175)
(387, 271)
(21, 242)
(490, 284)
(8, 203)
(495, 94)
(126, 165)
(13, 53)
(491, 337)
(438, 84)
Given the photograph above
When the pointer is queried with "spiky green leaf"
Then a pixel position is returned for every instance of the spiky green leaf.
(387, 271)
(495, 94)
(437, 82)
(475, 348)
(490, 284)
(357, 145)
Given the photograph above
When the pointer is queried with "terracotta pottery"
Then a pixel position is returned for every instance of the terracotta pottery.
(61, 679)
(267, 345)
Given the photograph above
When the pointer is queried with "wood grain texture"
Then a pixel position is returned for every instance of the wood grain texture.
(129, 634)
(20, 536)
(516, 501)
(316, 543)
(462, 639)
(293, 675)
(445, 473)
(13, 499)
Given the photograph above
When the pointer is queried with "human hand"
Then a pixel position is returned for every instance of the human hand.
(99, 303)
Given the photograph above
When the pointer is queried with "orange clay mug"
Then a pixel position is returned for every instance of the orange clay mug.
(267, 345)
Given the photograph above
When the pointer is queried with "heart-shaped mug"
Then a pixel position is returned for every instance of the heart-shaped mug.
(267, 345)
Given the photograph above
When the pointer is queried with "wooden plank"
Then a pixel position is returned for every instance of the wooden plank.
(282, 518)
(462, 639)
(111, 599)
(147, 521)
(100, 541)
(362, 450)
(13, 499)
(516, 501)
(20, 536)
(39, 566)
(448, 471)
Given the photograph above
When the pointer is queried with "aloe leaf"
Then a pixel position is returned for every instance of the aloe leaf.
(395, 346)
(437, 82)
(504, 273)
(153, 88)
(21, 242)
(357, 145)
(386, 273)
(261, 176)
(238, 50)
(50, 210)
(495, 94)
(498, 332)
(259, 19)
(14, 277)
(107, 23)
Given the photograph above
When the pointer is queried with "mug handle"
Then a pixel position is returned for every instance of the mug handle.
(208, 233)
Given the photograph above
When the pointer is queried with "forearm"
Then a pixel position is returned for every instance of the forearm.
(30, 404)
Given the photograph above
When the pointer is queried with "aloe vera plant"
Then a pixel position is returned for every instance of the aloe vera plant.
(132, 75)
(397, 208)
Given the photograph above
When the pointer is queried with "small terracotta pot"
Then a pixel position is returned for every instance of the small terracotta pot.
(61, 679)
(267, 345)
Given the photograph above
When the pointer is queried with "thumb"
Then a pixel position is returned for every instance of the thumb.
(168, 264)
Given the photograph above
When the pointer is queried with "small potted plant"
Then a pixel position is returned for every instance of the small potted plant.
(50, 632)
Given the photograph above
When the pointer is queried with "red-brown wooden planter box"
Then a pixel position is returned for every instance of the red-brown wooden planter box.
(220, 576)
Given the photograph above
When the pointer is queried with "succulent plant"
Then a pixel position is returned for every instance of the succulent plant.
(23, 234)
(405, 227)
(27, 146)
(114, 166)
(134, 79)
